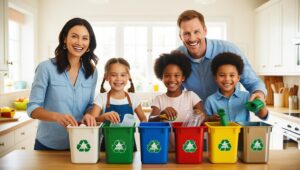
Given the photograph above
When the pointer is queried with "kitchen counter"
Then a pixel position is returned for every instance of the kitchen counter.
(6, 127)
(279, 111)
(55, 160)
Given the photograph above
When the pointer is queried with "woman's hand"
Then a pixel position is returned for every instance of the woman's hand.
(66, 119)
(89, 120)
(170, 112)
(113, 117)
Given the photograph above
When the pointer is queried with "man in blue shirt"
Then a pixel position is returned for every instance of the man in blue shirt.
(201, 51)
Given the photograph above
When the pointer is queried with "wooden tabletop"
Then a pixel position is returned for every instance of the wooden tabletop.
(56, 160)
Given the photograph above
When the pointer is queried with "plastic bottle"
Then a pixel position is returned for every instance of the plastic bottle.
(128, 120)
(223, 116)
(255, 105)
(195, 119)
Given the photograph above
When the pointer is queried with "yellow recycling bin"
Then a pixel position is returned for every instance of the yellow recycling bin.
(222, 142)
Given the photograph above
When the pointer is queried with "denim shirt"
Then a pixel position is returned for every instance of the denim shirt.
(202, 81)
(234, 106)
(55, 92)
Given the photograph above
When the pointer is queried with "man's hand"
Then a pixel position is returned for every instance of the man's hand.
(257, 94)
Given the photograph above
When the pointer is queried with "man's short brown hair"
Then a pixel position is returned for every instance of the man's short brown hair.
(188, 15)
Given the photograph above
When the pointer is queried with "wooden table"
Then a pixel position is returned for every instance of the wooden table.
(55, 160)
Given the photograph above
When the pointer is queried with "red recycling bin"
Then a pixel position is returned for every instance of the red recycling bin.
(189, 143)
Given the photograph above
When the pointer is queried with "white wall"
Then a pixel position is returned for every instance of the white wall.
(54, 13)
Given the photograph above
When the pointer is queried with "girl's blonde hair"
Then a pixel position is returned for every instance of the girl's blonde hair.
(107, 67)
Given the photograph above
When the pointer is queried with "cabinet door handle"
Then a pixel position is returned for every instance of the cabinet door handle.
(2, 144)
(9, 62)
(22, 133)
(277, 65)
(23, 148)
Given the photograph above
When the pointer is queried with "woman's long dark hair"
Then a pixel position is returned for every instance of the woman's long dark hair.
(88, 59)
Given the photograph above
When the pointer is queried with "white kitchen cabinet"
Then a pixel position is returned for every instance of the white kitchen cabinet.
(276, 136)
(297, 48)
(268, 20)
(261, 42)
(3, 35)
(298, 15)
(290, 26)
(21, 138)
(275, 30)
(25, 136)
(6, 143)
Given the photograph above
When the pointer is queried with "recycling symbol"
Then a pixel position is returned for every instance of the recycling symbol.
(189, 146)
(119, 146)
(83, 146)
(153, 146)
(224, 145)
(257, 145)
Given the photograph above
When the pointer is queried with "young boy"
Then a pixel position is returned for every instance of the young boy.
(227, 68)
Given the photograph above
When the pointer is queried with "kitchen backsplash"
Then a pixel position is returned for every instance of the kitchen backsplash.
(289, 81)
(292, 80)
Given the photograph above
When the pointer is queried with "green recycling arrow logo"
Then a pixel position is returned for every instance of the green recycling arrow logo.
(83, 146)
(257, 145)
(224, 145)
(153, 146)
(189, 146)
(119, 146)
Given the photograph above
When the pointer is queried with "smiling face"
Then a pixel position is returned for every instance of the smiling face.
(173, 78)
(193, 34)
(227, 77)
(117, 76)
(77, 41)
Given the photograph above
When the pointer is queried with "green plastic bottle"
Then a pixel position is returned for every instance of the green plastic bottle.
(223, 116)
(255, 105)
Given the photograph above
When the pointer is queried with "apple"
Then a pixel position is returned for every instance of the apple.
(20, 99)
(7, 112)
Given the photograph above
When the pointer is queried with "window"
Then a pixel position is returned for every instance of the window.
(140, 43)
(20, 50)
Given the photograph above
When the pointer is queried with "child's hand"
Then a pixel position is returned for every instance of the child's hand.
(214, 118)
(113, 117)
(170, 112)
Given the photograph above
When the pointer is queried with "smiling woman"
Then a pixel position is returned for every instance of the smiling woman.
(64, 86)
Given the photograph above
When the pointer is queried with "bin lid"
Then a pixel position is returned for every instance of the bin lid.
(154, 125)
(253, 124)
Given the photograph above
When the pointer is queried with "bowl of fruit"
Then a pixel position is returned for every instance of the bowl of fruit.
(21, 103)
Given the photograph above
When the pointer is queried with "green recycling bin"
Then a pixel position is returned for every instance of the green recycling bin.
(119, 143)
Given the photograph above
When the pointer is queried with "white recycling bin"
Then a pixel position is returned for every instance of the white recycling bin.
(84, 143)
